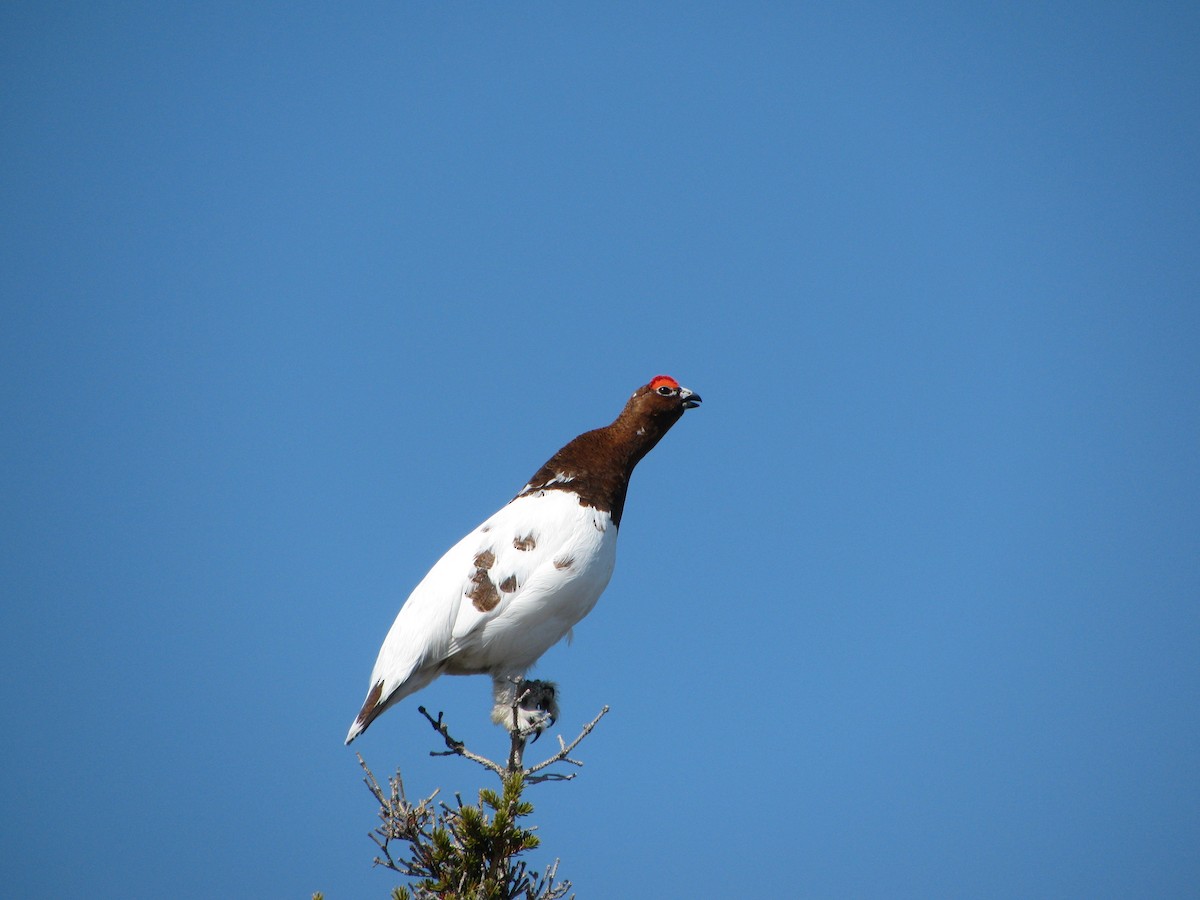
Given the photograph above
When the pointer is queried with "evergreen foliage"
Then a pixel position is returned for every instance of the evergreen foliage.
(465, 851)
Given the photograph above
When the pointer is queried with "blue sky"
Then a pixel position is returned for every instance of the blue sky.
(295, 295)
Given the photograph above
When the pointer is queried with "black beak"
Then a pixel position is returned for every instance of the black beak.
(690, 400)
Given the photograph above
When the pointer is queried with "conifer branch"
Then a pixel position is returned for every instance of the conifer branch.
(461, 852)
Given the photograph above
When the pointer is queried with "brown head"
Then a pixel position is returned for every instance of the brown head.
(654, 408)
(597, 464)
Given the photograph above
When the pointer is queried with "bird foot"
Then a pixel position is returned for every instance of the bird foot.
(527, 708)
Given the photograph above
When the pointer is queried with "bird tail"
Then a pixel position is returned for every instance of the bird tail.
(386, 693)
(372, 707)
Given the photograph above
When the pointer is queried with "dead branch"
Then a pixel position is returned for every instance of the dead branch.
(457, 747)
(516, 752)
(563, 755)
(401, 819)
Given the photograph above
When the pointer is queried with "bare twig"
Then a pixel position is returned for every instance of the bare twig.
(563, 755)
(457, 747)
(401, 819)
(519, 736)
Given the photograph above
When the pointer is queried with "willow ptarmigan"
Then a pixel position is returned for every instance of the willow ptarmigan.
(517, 584)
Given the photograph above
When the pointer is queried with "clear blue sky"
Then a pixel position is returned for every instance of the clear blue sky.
(296, 294)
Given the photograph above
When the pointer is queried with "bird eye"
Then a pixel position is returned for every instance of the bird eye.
(666, 391)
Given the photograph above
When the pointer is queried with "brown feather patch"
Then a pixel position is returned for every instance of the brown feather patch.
(509, 584)
(525, 543)
(483, 593)
(564, 562)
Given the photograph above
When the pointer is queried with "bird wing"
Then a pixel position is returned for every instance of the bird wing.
(419, 638)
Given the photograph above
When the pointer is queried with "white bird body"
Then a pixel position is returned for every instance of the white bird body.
(516, 585)
(560, 556)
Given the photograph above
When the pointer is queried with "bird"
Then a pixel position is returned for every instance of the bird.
(519, 583)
